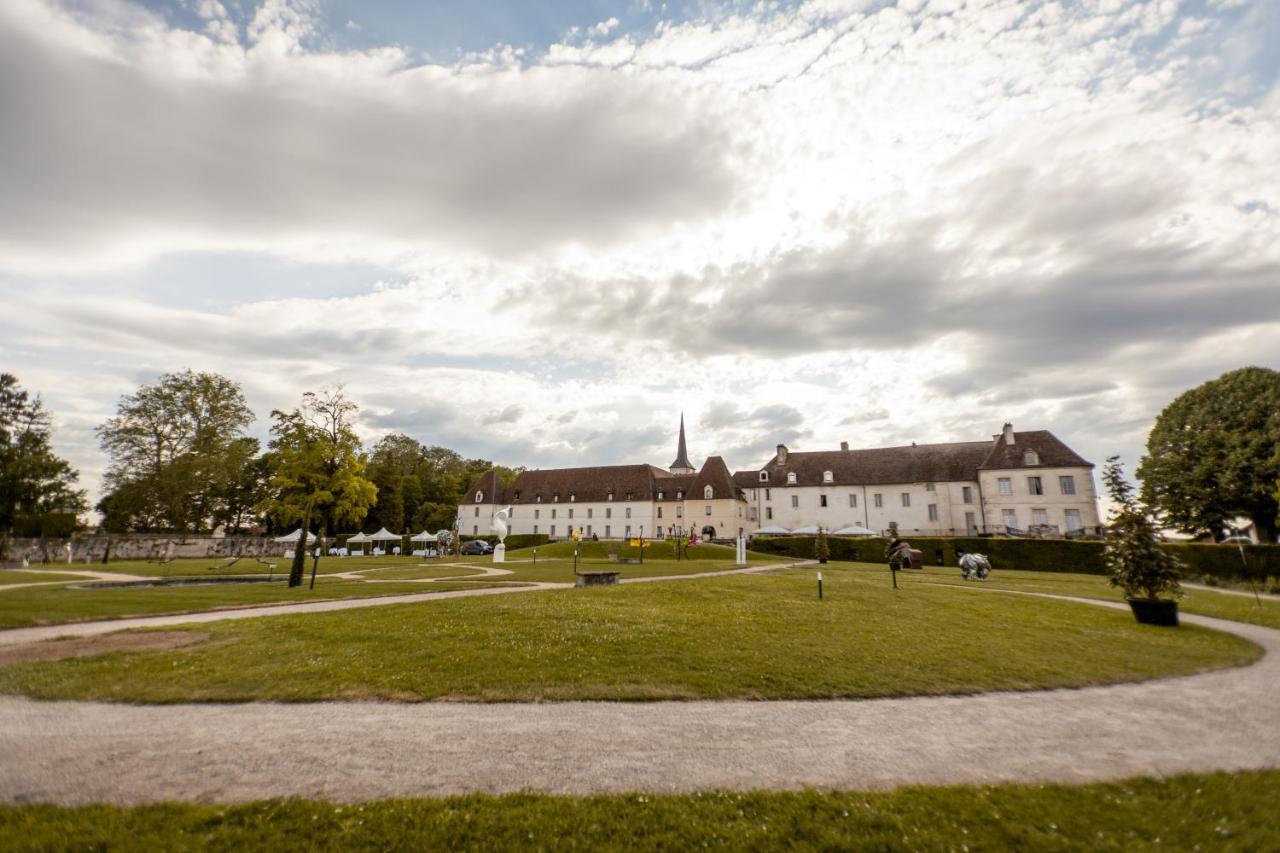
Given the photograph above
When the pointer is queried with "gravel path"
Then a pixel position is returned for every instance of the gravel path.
(81, 752)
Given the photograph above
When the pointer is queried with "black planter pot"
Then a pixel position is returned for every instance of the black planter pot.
(822, 559)
(1151, 611)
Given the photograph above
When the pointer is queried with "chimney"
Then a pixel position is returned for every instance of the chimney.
(1007, 432)
(844, 445)
(782, 454)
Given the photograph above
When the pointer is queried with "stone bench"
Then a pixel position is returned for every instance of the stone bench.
(596, 578)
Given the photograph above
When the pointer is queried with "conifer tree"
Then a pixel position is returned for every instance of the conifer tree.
(1138, 564)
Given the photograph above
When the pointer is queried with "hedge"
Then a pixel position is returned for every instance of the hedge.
(1045, 555)
(514, 540)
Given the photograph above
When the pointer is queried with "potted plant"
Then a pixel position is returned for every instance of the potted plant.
(821, 549)
(1147, 573)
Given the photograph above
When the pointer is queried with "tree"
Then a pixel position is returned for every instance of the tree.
(821, 550)
(1133, 552)
(169, 445)
(34, 481)
(317, 467)
(1214, 454)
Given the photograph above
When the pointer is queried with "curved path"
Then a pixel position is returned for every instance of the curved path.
(81, 752)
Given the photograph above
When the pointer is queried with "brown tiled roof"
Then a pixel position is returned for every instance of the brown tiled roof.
(715, 474)
(489, 485)
(924, 463)
(746, 479)
(1049, 448)
(587, 484)
(673, 484)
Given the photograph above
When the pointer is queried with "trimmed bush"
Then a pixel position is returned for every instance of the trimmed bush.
(1045, 555)
(526, 540)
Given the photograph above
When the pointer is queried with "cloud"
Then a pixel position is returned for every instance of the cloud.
(511, 414)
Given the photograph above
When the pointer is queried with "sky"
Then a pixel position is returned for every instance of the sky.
(538, 232)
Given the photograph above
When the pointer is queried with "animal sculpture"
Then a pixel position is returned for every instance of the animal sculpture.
(499, 525)
(975, 567)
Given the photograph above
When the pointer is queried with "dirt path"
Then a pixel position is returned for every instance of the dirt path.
(81, 752)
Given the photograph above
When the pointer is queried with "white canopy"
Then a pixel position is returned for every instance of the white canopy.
(385, 535)
(424, 536)
(772, 531)
(293, 537)
(811, 530)
(855, 530)
(358, 538)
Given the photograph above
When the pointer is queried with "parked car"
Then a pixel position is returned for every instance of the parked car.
(477, 546)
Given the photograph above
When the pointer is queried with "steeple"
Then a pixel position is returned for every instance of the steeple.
(681, 465)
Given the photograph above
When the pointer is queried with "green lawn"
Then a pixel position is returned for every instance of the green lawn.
(47, 605)
(212, 567)
(561, 570)
(1217, 811)
(14, 576)
(757, 637)
(1200, 601)
(417, 572)
(654, 550)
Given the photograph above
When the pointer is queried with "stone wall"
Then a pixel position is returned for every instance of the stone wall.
(137, 547)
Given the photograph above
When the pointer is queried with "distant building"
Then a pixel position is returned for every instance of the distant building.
(614, 501)
(1020, 483)
(1028, 482)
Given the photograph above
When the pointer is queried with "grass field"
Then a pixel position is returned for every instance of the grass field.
(757, 637)
(50, 605)
(1217, 811)
(16, 576)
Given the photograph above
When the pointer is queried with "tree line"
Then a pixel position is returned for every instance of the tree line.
(182, 461)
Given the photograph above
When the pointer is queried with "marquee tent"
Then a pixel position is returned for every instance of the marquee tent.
(855, 530)
(385, 535)
(771, 531)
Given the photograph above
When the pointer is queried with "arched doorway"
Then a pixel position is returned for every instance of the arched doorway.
(708, 532)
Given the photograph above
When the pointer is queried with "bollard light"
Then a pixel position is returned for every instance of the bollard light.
(819, 586)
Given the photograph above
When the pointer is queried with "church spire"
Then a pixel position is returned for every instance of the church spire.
(681, 465)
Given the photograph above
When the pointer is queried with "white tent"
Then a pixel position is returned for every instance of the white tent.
(293, 537)
(385, 535)
(424, 536)
(771, 531)
(358, 539)
(811, 530)
(855, 530)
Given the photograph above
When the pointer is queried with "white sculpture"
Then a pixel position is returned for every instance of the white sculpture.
(975, 567)
(499, 526)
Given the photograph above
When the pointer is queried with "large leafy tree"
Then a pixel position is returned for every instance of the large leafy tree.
(1214, 454)
(173, 445)
(33, 479)
(318, 469)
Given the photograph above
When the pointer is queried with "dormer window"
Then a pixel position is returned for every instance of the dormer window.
(764, 476)
(827, 477)
(609, 496)
(479, 497)
(680, 495)
(517, 496)
(1030, 458)
(572, 497)
(538, 499)
(708, 493)
(628, 496)
(661, 495)
(555, 499)
(791, 478)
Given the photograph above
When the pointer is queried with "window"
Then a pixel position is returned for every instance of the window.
(659, 512)
(827, 477)
(764, 476)
(608, 531)
(628, 512)
(588, 529)
(822, 500)
(538, 498)
(1005, 485)
(553, 530)
(933, 512)
(479, 497)
(751, 513)
(475, 530)
(1030, 458)
(795, 501)
(767, 495)
(571, 513)
(590, 512)
(708, 493)
(608, 512)
(679, 494)
(477, 512)
(553, 513)
(537, 512)
(906, 499)
(791, 478)
(535, 528)
(628, 496)
(572, 497)
(517, 495)
(878, 500)
(930, 487)
(555, 499)
(966, 494)
(1010, 517)
(707, 510)
(1034, 486)
(1073, 519)
(609, 496)
(628, 531)
(1067, 484)
(679, 512)
(768, 513)
(660, 495)
(1039, 516)
(853, 500)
